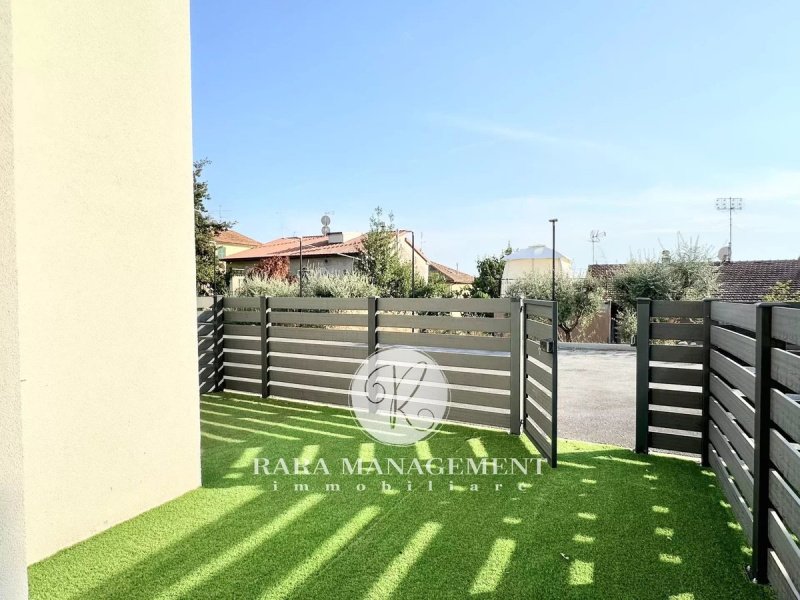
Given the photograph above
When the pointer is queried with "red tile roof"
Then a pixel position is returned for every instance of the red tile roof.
(316, 245)
(451, 275)
(235, 238)
(749, 280)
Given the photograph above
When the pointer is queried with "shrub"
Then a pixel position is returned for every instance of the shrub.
(578, 299)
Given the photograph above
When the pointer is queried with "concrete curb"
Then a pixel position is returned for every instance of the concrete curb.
(596, 347)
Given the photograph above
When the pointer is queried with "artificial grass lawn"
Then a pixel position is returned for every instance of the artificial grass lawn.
(606, 524)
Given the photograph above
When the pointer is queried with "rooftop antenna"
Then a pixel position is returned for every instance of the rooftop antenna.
(724, 254)
(326, 221)
(730, 204)
(594, 238)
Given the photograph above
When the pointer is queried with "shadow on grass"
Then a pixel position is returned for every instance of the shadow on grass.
(606, 524)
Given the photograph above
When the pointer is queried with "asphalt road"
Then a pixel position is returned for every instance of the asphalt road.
(597, 396)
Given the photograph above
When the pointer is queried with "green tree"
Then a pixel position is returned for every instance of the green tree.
(490, 276)
(686, 273)
(782, 292)
(579, 299)
(209, 271)
(380, 260)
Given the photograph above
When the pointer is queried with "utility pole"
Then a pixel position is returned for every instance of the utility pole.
(730, 204)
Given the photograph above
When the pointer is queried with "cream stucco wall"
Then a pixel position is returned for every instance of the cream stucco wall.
(516, 269)
(102, 188)
(13, 579)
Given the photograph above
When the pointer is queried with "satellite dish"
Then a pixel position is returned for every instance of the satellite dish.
(325, 220)
(724, 254)
(325, 229)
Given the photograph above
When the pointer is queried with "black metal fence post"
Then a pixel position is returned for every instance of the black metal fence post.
(643, 306)
(264, 305)
(517, 356)
(706, 381)
(758, 566)
(554, 410)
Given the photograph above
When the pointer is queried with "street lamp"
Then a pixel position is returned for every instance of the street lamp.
(554, 221)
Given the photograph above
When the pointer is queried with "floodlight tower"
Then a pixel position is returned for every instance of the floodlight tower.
(730, 204)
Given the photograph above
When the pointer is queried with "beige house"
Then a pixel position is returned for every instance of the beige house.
(458, 280)
(334, 253)
(534, 259)
(232, 242)
(106, 420)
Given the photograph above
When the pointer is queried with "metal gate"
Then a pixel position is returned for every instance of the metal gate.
(540, 376)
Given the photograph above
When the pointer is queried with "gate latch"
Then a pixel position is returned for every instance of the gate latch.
(546, 346)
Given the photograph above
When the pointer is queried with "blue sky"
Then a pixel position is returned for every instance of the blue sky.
(476, 122)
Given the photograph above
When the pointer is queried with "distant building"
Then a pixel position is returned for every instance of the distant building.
(458, 280)
(335, 253)
(536, 259)
(232, 242)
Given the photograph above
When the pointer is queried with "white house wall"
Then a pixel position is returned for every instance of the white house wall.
(104, 245)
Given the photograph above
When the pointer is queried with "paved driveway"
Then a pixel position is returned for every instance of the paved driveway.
(597, 396)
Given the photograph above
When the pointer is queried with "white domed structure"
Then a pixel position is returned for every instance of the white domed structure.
(538, 259)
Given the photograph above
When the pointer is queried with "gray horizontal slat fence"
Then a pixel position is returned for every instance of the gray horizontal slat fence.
(474, 342)
(731, 397)
(747, 412)
(310, 348)
(670, 353)
(776, 555)
(209, 344)
(540, 375)
(242, 355)
(315, 346)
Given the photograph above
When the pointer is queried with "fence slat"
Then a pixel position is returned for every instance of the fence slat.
(313, 363)
(785, 368)
(785, 500)
(735, 404)
(735, 499)
(483, 324)
(317, 318)
(543, 310)
(785, 547)
(538, 373)
(676, 354)
(241, 316)
(686, 332)
(674, 441)
(533, 350)
(741, 443)
(542, 441)
(741, 475)
(786, 458)
(241, 302)
(779, 579)
(675, 420)
(741, 346)
(682, 309)
(285, 303)
(326, 335)
(741, 378)
(677, 398)
(786, 413)
(786, 324)
(245, 372)
(436, 340)
(738, 315)
(241, 358)
(676, 376)
(253, 387)
(539, 396)
(446, 305)
(538, 331)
